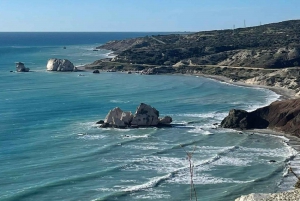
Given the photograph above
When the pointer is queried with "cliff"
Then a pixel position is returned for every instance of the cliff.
(274, 45)
(282, 116)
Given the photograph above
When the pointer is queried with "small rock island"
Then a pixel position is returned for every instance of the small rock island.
(61, 65)
(20, 67)
(145, 116)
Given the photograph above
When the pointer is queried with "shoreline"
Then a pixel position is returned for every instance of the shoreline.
(282, 92)
(292, 141)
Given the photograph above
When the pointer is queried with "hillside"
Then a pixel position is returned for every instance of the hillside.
(275, 45)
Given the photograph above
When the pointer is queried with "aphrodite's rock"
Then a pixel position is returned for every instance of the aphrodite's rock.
(165, 120)
(115, 113)
(145, 115)
(60, 65)
(127, 117)
(20, 67)
(117, 123)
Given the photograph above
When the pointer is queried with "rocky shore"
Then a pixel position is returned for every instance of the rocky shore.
(266, 56)
(293, 195)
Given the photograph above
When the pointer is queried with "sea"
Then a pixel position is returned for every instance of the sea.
(51, 148)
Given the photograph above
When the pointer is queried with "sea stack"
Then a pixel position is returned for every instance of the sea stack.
(60, 65)
(20, 67)
(145, 116)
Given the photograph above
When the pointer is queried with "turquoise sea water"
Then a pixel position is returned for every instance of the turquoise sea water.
(50, 148)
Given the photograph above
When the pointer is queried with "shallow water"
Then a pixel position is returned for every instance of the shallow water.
(52, 150)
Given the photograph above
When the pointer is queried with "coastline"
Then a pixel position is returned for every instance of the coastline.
(292, 141)
(284, 93)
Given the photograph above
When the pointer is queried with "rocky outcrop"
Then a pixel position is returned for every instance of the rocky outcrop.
(288, 78)
(158, 70)
(145, 116)
(96, 71)
(280, 115)
(288, 195)
(20, 67)
(60, 65)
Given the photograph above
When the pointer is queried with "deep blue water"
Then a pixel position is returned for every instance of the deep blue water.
(52, 150)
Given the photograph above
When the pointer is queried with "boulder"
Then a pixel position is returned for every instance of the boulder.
(127, 117)
(60, 65)
(20, 67)
(165, 120)
(115, 113)
(145, 115)
(100, 122)
(96, 71)
(117, 123)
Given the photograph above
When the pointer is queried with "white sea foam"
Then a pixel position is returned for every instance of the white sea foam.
(232, 161)
(142, 147)
(257, 152)
(203, 179)
(151, 183)
(118, 101)
(200, 130)
(153, 194)
(91, 137)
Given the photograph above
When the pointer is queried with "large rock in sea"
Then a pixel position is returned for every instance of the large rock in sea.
(60, 65)
(145, 116)
(20, 67)
(280, 115)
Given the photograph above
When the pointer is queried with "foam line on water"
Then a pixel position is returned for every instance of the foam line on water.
(40, 189)
(150, 184)
(154, 182)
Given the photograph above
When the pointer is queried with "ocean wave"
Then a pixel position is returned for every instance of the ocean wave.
(41, 188)
(150, 184)
(201, 115)
(91, 137)
(175, 173)
(119, 101)
(200, 130)
(204, 179)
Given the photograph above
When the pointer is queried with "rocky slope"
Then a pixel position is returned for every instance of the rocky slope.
(283, 196)
(280, 115)
(286, 78)
(274, 45)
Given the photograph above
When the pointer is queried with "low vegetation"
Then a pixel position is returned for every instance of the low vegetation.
(274, 45)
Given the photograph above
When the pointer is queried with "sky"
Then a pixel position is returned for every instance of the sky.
(141, 15)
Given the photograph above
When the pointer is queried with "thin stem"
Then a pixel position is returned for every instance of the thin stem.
(189, 157)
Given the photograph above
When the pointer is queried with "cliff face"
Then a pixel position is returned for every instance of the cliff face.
(274, 45)
(279, 115)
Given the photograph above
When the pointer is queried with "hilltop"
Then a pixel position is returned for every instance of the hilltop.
(275, 45)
